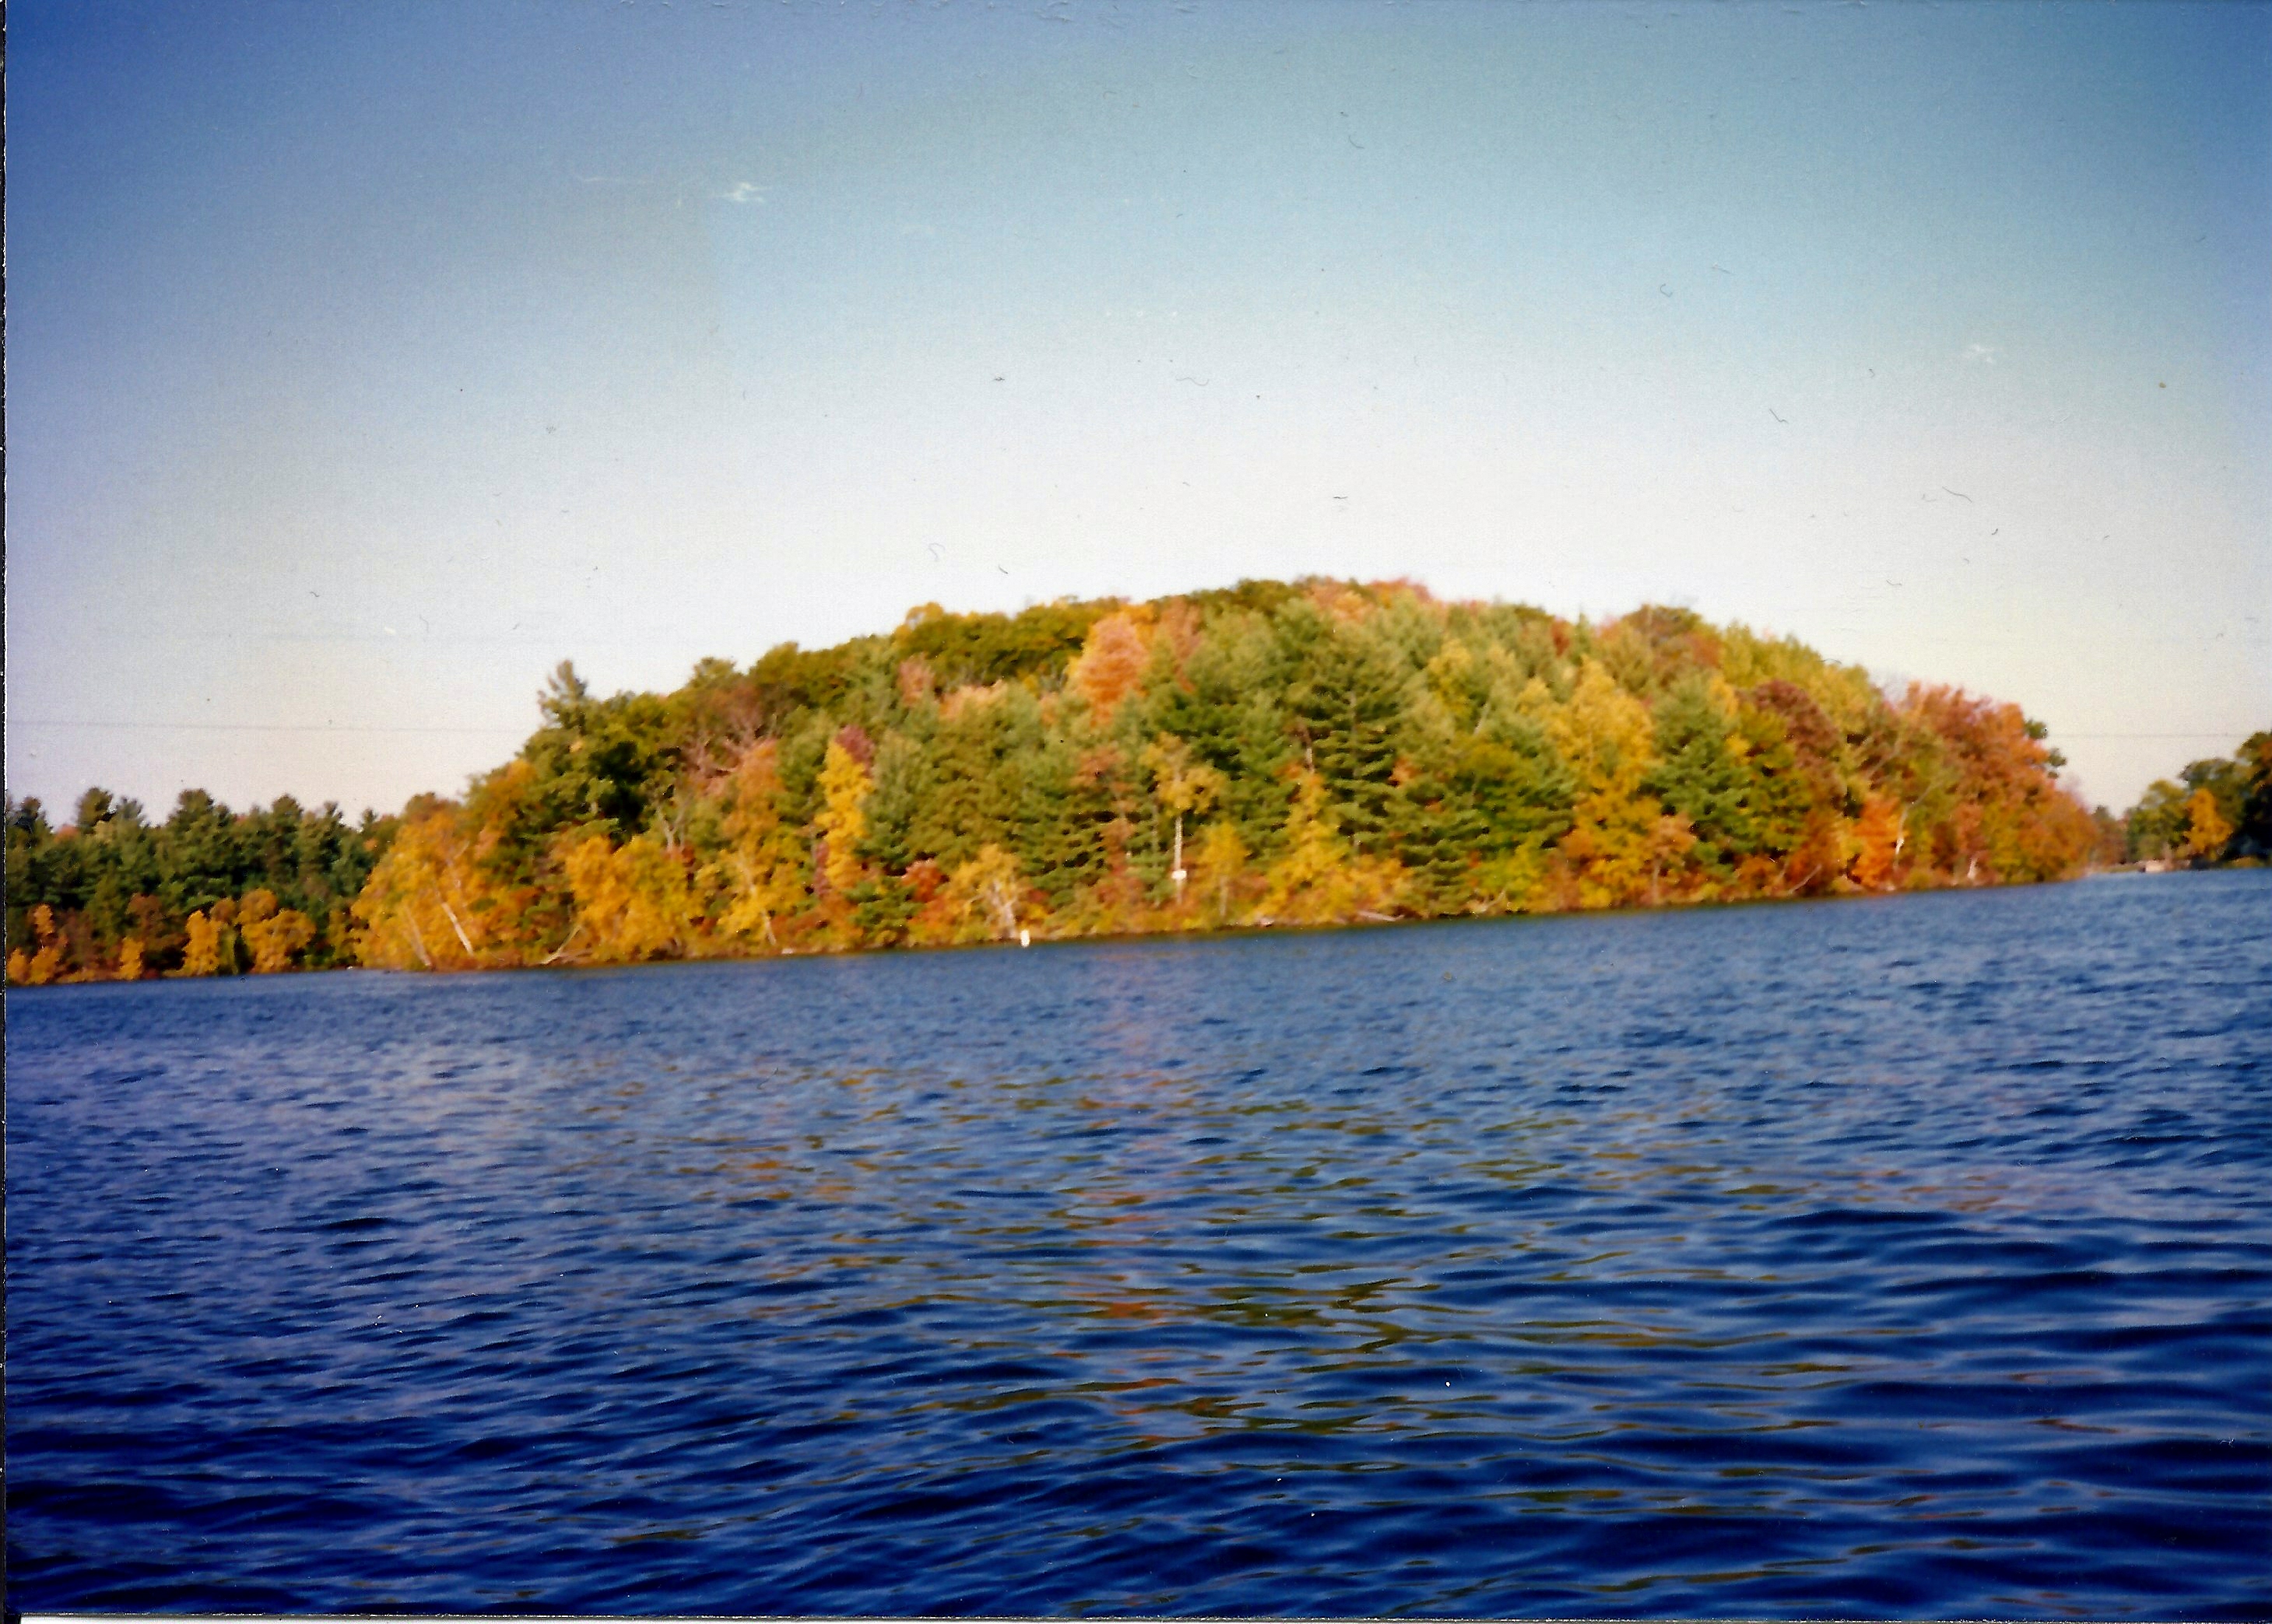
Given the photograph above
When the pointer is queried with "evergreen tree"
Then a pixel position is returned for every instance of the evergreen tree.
(1700, 772)
(1344, 700)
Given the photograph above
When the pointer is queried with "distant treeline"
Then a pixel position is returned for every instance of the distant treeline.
(2219, 813)
(1269, 754)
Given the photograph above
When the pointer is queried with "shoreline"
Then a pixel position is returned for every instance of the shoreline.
(1232, 931)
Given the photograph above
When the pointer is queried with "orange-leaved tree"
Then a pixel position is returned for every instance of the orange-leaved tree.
(1877, 837)
(1111, 664)
(2009, 820)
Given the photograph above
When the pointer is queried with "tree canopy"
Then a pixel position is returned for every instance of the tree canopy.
(1311, 752)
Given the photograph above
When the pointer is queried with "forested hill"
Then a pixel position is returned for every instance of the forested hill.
(1269, 754)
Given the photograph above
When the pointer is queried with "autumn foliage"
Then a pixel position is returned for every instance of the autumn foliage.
(1309, 754)
(2218, 811)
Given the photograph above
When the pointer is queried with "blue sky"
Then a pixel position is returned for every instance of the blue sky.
(365, 362)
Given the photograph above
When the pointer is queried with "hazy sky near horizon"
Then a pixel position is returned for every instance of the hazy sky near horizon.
(364, 362)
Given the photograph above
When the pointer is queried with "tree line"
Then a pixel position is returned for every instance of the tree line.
(113, 896)
(1270, 754)
(2218, 813)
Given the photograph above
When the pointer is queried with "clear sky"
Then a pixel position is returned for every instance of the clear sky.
(364, 361)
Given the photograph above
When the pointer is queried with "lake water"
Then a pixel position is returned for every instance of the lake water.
(1908, 1257)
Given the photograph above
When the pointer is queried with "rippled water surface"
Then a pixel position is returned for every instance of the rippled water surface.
(1891, 1257)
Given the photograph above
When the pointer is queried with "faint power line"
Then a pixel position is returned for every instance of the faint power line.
(257, 727)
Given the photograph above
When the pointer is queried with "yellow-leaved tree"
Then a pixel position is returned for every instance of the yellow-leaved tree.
(45, 962)
(210, 949)
(1182, 785)
(1318, 881)
(1506, 884)
(981, 896)
(1222, 856)
(842, 822)
(758, 876)
(632, 901)
(276, 935)
(1620, 840)
(421, 908)
(2206, 829)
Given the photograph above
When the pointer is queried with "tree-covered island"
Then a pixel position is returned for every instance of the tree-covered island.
(1310, 753)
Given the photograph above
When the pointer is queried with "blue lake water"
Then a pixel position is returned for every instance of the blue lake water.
(1903, 1257)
